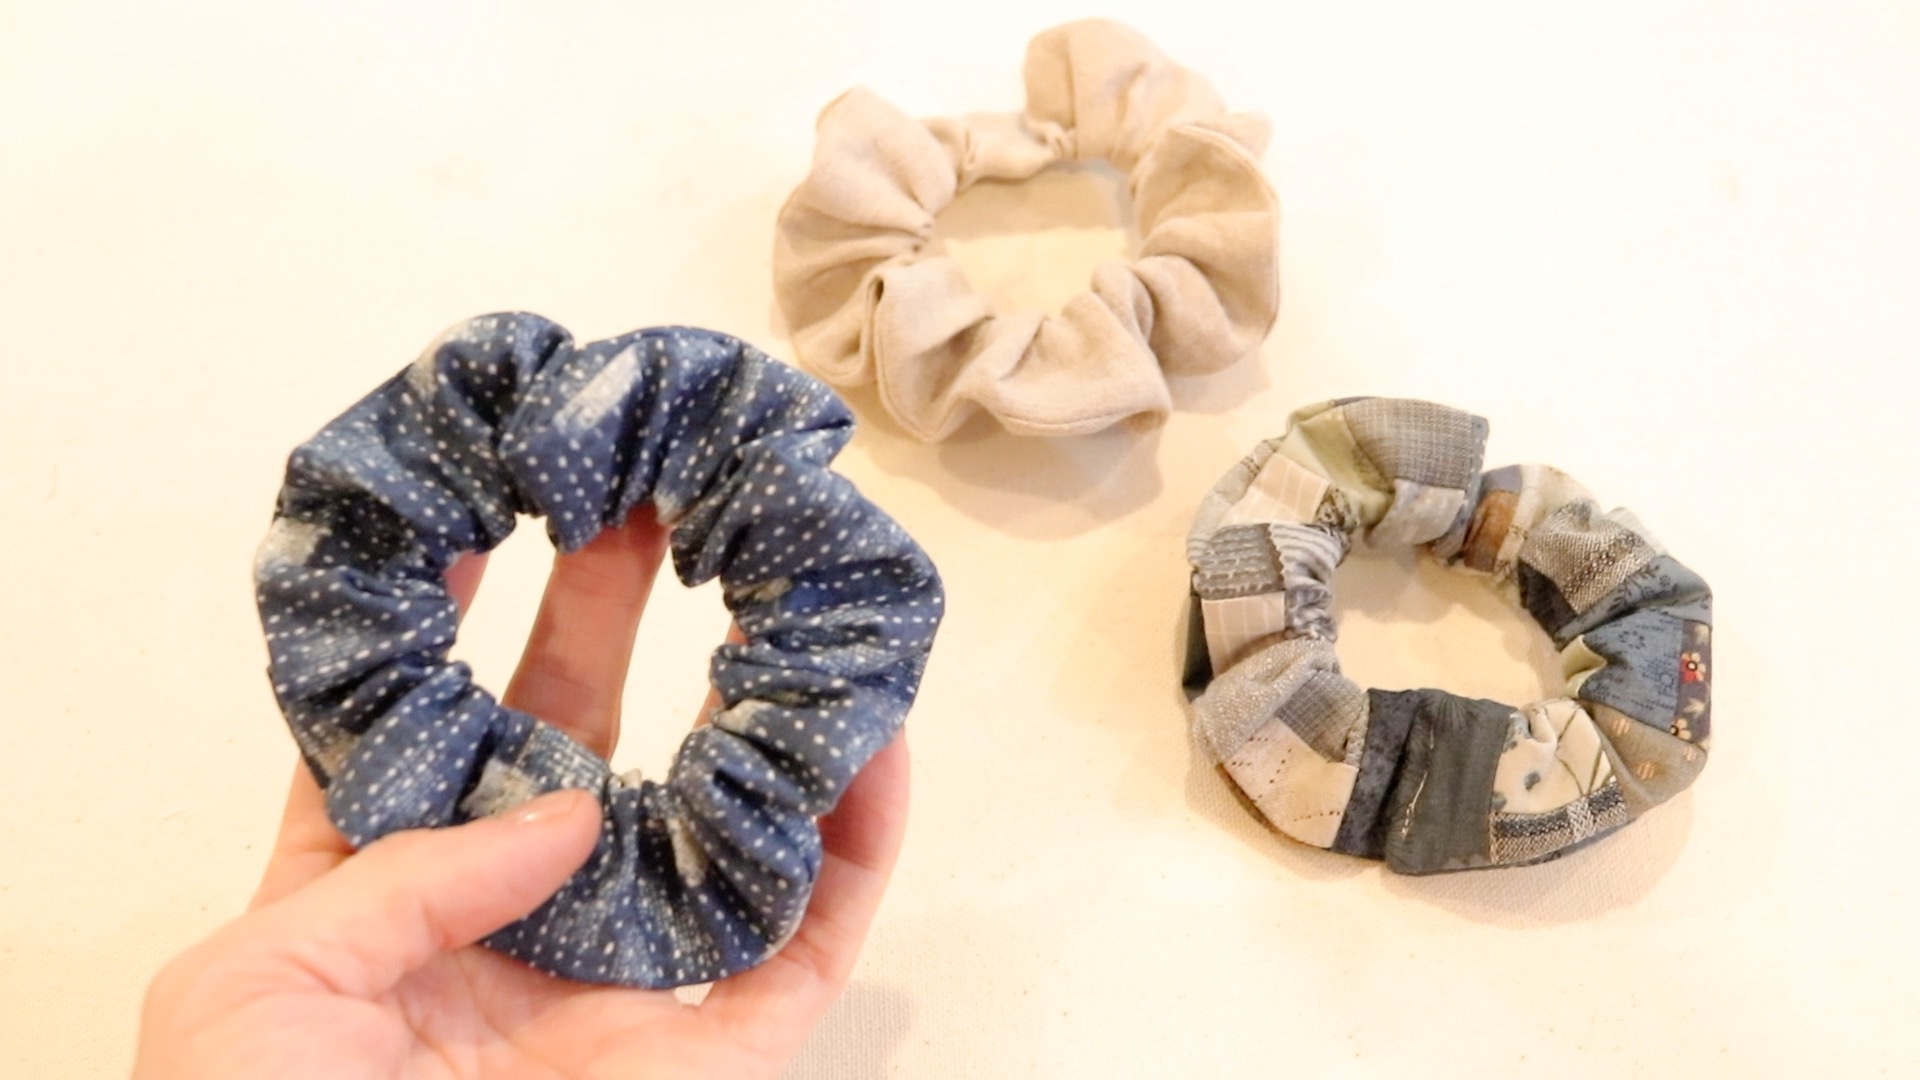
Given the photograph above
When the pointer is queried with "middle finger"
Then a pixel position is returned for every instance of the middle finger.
(574, 668)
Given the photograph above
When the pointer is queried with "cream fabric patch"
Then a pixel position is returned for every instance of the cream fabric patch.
(1283, 490)
(1302, 793)
(1543, 489)
(1233, 626)
(1249, 695)
(1578, 662)
(1554, 757)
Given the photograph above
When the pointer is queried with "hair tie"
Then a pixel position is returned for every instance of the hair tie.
(867, 303)
(1426, 779)
(708, 873)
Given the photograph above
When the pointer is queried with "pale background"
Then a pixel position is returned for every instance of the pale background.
(1670, 248)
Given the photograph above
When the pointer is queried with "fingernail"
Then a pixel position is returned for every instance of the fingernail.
(548, 807)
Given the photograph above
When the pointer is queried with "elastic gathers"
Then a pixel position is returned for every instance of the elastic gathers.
(869, 303)
(1427, 780)
(707, 873)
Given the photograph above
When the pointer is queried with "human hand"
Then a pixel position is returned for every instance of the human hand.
(365, 964)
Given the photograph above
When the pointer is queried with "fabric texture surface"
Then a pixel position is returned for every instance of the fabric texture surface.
(1424, 779)
(709, 872)
(869, 303)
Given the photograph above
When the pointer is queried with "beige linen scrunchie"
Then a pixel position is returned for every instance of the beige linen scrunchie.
(867, 303)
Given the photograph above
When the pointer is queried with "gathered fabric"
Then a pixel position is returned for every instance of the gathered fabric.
(867, 301)
(1427, 780)
(709, 872)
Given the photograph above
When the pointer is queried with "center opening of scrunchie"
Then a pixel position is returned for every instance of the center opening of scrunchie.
(1406, 619)
(1033, 245)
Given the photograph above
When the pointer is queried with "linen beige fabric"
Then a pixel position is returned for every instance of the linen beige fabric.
(868, 302)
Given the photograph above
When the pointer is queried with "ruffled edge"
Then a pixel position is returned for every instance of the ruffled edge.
(865, 304)
(707, 873)
(1427, 780)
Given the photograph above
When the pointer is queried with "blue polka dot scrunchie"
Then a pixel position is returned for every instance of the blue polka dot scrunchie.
(698, 877)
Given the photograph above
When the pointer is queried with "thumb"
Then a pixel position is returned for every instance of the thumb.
(408, 897)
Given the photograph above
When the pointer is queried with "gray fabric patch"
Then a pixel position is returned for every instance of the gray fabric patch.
(1504, 478)
(1242, 699)
(1631, 520)
(1324, 710)
(1419, 440)
(1389, 718)
(1642, 676)
(1307, 555)
(1220, 498)
(1527, 838)
(1650, 765)
(1585, 553)
(1447, 546)
(1196, 667)
(1541, 598)
(1662, 584)
(1238, 561)
(1439, 810)
(1420, 512)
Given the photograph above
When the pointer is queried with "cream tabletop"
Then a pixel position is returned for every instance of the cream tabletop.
(1668, 248)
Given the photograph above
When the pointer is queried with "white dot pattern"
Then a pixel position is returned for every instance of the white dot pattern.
(695, 878)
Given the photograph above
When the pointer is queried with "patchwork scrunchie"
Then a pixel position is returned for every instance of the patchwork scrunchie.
(868, 303)
(1422, 778)
(705, 874)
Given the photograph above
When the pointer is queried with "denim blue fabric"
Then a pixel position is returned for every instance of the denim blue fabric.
(709, 872)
